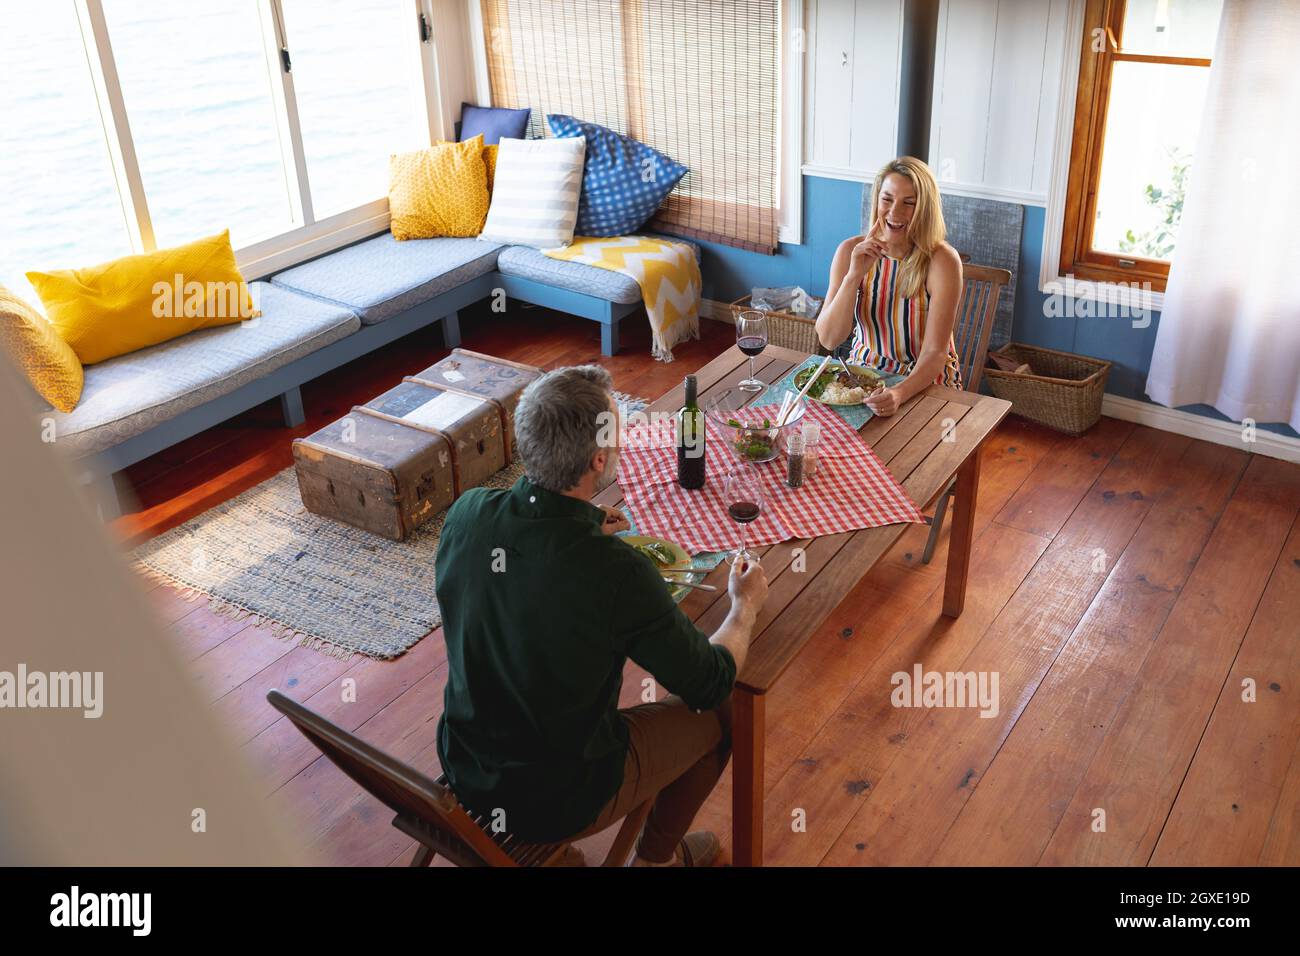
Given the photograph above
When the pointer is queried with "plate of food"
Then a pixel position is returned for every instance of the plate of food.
(835, 386)
(667, 557)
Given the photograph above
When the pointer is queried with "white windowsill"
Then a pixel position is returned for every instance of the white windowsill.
(290, 249)
(1110, 293)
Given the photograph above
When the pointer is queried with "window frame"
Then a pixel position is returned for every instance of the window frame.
(1076, 257)
(309, 236)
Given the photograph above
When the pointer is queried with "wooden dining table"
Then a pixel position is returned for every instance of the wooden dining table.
(931, 442)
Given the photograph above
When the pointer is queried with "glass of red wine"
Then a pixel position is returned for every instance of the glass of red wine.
(743, 492)
(751, 336)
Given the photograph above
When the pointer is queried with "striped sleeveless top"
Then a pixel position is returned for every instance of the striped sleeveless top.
(889, 329)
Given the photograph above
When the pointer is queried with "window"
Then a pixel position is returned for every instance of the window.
(356, 80)
(203, 124)
(61, 205)
(1142, 80)
(697, 80)
(133, 124)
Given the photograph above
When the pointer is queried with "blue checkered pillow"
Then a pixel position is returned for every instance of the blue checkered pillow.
(623, 181)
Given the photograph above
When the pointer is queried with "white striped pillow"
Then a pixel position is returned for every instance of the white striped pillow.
(535, 192)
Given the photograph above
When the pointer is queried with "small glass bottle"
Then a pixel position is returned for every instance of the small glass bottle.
(812, 436)
(794, 448)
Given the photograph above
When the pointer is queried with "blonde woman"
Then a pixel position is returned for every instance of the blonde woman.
(896, 289)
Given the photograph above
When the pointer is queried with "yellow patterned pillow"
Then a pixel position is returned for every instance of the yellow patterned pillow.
(440, 191)
(490, 161)
(48, 362)
(138, 301)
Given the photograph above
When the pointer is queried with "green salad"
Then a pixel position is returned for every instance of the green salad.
(754, 441)
(658, 552)
(833, 375)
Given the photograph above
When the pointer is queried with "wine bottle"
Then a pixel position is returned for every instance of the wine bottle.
(690, 439)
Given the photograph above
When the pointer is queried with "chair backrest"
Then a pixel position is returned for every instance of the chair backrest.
(975, 314)
(409, 793)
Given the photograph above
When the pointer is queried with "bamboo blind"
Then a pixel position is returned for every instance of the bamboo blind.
(696, 79)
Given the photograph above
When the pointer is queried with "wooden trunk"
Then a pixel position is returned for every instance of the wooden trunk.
(473, 373)
(398, 460)
(375, 474)
(471, 425)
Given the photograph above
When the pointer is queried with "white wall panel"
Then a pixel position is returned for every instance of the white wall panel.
(852, 86)
(997, 82)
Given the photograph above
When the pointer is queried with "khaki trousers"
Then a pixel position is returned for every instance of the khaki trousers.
(675, 755)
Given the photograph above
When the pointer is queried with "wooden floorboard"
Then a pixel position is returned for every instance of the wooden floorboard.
(1144, 757)
(918, 791)
(1020, 799)
(1123, 585)
(280, 752)
(1229, 799)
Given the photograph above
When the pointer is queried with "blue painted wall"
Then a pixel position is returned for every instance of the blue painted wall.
(831, 213)
(1121, 340)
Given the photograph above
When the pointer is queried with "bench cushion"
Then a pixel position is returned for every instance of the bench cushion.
(528, 263)
(381, 277)
(132, 393)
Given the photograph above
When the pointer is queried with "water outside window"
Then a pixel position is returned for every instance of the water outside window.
(355, 74)
(197, 89)
(199, 96)
(60, 207)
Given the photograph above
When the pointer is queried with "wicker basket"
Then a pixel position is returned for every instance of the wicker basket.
(784, 329)
(1064, 392)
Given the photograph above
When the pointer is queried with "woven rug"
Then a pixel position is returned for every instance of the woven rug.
(318, 582)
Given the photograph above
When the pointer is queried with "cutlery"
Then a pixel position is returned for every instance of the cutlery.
(786, 400)
(879, 388)
(687, 584)
(803, 391)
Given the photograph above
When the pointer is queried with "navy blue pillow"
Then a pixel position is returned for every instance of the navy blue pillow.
(493, 122)
(623, 181)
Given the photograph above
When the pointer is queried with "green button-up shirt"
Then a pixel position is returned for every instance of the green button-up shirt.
(540, 612)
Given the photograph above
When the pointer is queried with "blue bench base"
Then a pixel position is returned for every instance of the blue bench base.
(102, 471)
(603, 311)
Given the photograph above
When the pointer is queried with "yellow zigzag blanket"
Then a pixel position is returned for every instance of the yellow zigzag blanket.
(668, 275)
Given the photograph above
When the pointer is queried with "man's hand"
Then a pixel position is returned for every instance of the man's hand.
(747, 587)
(615, 520)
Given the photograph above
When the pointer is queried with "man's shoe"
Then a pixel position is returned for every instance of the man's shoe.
(570, 856)
(700, 848)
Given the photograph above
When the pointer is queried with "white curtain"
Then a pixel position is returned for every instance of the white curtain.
(1229, 334)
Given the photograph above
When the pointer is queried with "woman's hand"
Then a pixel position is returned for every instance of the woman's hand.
(884, 402)
(866, 253)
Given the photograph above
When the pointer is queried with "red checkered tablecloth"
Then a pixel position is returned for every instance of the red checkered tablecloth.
(850, 490)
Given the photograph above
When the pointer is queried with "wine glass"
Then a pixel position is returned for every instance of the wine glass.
(743, 492)
(751, 336)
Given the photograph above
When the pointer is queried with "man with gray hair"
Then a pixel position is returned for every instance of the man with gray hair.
(541, 609)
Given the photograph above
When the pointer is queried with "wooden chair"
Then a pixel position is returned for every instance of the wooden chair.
(975, 314)
(426, 809)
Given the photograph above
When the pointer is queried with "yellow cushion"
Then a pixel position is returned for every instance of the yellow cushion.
(138, 301)
(490, 161)
(440, 191)
(48, 362)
